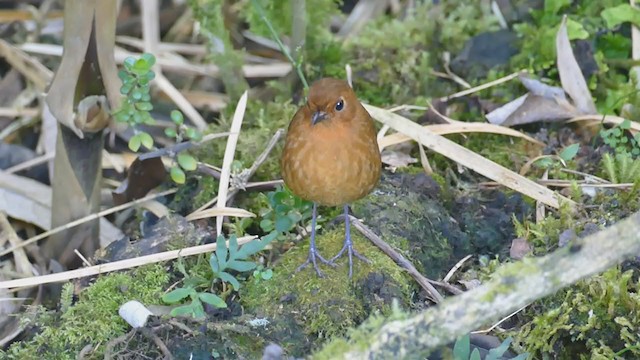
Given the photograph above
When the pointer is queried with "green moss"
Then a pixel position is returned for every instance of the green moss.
(210, 16)
(395, 57)
(207, 190)
(317, 17)
(324, 307)
(94, 318)
(597, 318)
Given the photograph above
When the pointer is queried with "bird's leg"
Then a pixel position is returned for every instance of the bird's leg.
(348, 245)
(314, 255)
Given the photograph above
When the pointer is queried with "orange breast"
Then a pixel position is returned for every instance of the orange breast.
(331, 163)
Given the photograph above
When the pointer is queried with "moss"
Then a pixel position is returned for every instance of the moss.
(394, 58)
(326, 307)
(94, 318)
(597, 318)
(317, 17)
(207, 190)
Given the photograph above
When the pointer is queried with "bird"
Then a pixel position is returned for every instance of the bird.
(331, 158)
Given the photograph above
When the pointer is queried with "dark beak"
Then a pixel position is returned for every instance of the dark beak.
(317, 117)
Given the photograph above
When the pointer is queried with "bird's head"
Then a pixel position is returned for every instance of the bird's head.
(331, 100)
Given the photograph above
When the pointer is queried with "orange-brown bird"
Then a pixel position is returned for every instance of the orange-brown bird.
(331, 157)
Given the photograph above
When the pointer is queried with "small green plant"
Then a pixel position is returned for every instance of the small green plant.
(135, 111)
(618, 139)
(182, 161)
(136, 78)
(260, 273)
(232, 258)
(621, 168)
(222, 261)
(556, 161)
(194, 307)
(284, 210)
(462, 350)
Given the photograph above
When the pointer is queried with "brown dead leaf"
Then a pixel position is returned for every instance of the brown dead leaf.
(542, 103)
(144, 175)
(531, 108)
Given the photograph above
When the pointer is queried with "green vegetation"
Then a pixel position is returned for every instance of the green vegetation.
(223, 262)
(595, 319)
(462, 350)
(284, 211)
(326, 306)
(92, 319)
(618, 139)
(394, 60)
(135, 111)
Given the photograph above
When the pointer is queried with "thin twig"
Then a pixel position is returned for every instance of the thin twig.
(483, 86)
(455, 268)
(22, 263)
(499, 322)
(240, 181)
(397, 257)
(233, 190)
(30, 163)
(115, 266)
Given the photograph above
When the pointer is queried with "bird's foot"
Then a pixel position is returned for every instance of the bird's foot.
(313, 258)
(351, 252)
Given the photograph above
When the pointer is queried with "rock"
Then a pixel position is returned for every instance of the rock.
(520, 247)
(484, 52)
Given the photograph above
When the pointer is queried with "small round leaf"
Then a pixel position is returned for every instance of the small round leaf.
(213, 300)
(134, 143)
(193, 134)
(177, 175)
(267, 274)
(187, 162)
(170, 132)
(146, 140)
(144, 106)
(149, 59)
(129, 62)
(176, 117)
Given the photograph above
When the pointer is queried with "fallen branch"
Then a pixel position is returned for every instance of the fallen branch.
(114, 266)
(398, 258)
(513, 286)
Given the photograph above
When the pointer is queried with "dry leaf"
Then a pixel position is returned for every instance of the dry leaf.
(144, 175)
(397, 159)
(28, 200)
(467, 158)
(570, 74)
(531, 108)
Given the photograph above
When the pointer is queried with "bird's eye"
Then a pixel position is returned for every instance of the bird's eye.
(340, 105)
